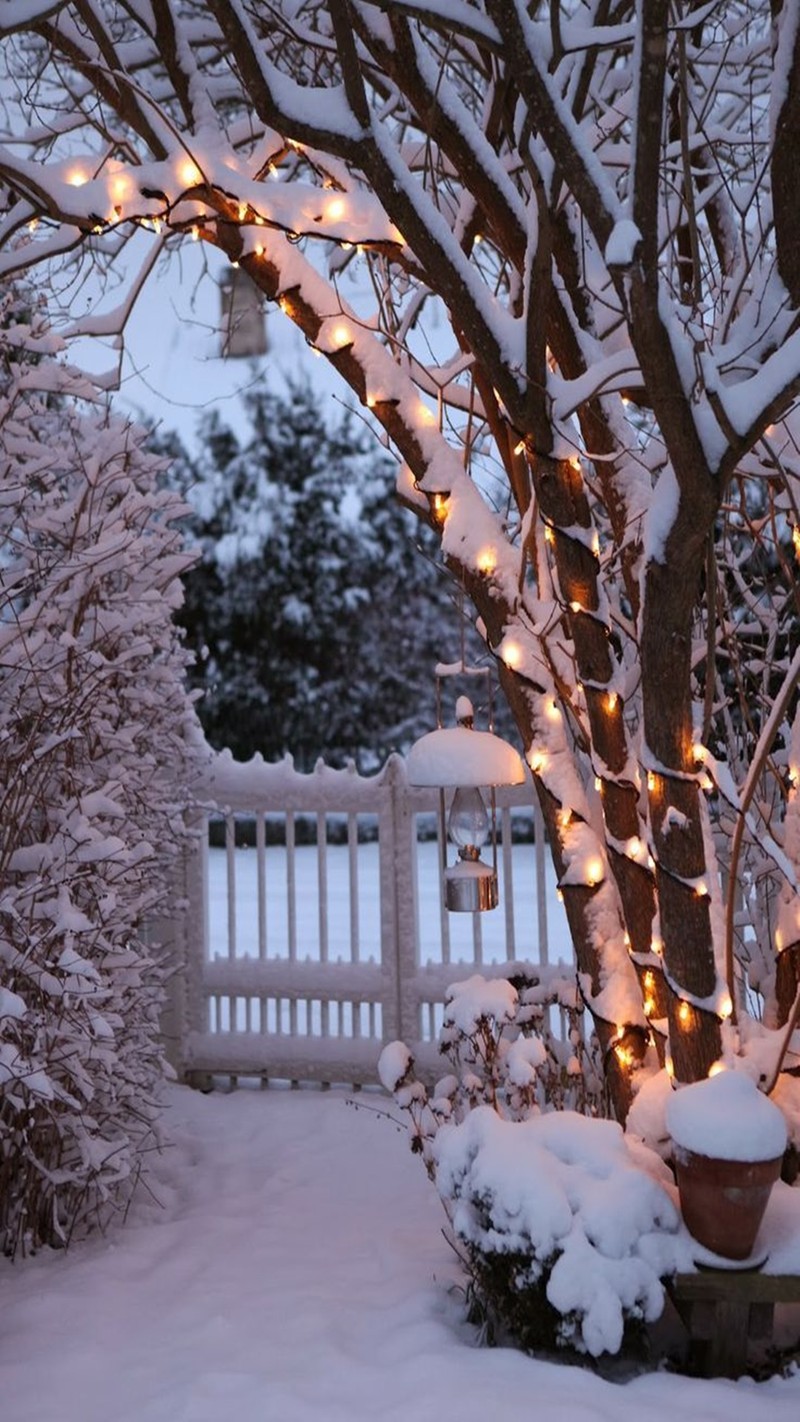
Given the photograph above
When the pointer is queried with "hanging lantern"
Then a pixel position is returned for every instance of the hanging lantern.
(465, 760)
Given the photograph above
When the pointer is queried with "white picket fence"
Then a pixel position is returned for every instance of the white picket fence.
(299, 961)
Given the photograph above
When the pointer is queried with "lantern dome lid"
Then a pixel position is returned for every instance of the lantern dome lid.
(456, 756)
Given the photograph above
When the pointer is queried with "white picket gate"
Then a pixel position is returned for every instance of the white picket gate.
(298, 962)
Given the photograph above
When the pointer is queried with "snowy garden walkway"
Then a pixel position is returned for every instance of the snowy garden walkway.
(294, 1271)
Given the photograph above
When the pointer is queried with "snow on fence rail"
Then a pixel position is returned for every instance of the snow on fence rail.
(316, 929)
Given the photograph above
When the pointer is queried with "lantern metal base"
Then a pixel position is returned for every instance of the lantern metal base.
(470, 887)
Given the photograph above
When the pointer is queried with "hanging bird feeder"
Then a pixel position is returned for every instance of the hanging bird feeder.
(464, 760)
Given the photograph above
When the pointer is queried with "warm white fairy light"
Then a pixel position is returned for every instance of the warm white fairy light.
(794, 776)
(657, 945)
(195, 233)
(552, 709)
(594, 870)
(633, 847)
(651, 780)
(611, 700)
(520, 448)
(76, 177)
(726, 1007)
(669, 1066)
(537, 760)
(598, 784)
(684, 1013)
(440, 507)
(341, 335)
(486, 561)
(189, 173)
(549, 535)
(716, 1068)
(511, 653)
(701, 889)
(564, 816)
(575, 606)
(336, 209)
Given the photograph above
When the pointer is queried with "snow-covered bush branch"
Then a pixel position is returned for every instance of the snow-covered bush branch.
(563, 1226)
(95, 748)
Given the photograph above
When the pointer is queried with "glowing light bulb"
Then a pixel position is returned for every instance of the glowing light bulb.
(670, 1067)
(336, 209)
(486, 560)
(575, 607)
(440, 507)
(716, 1068)
(598, 784)
(726, 1007)
(76, 177)
(594, 870)
(684, 1013)
(195, 233)
(649, 981)
(657, 945)
(552, 710)
(537, 761)
(564, 817)
(189, 173)
(611, 700)
(520, 448)
(511, 653)
(651, 780)
(701, 890)
(649, 1006)
(341, 335)
(549, 535)
(634, 847)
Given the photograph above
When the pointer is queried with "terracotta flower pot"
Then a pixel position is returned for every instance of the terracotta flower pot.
(723, 1201)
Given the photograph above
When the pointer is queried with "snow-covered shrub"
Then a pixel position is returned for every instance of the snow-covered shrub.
(561, 1222)
(95, 744)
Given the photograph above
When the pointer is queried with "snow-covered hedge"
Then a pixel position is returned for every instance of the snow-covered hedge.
(95, 736)
(563, 1225)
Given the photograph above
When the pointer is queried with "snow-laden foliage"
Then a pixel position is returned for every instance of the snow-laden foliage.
(95, 737)
(552, 248)
(558, 1220)
(307, 562)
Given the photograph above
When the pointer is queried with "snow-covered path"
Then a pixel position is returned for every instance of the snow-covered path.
(294, 1270)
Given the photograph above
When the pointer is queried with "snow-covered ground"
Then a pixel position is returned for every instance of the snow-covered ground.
(292, 1269)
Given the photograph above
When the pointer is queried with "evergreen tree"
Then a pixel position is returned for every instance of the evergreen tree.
(315, 619)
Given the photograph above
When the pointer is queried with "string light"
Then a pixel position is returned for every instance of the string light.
(440, 507)
(726, 1007)
(549, 535)
(575, 607)
(33, 224)
(794, 776)
(624, 1055)
(189, 173)
(670, 1067)
(611, 701)
(651, 780)
(195, 233)
(564, 817)
(716, 1068)
(594, 870)
(684, 1013)
(486, 561)
(598, 784)
(520, 448)
(796, 539)
(336, 209)
(341, 336)
(511, 653)
(552, 710)
(575, 463)
(657, 945)
(701, 889)
(537, 761)
(77, 177)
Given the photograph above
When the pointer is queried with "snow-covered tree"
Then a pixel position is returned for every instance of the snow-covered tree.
(95, 749)
(315, 619)
(576, 224)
